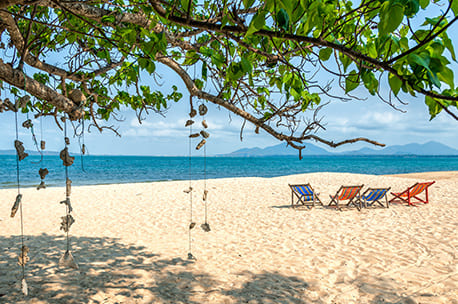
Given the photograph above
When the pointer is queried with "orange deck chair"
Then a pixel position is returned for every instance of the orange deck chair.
(411, 193)
(350, 193)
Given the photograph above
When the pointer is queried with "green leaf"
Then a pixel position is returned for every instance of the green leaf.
(395, 83)
(446, 75)
(448, 44)
(455, 7)
(391, 16)
(248, 3)
(421, 61)
(246, 65)
(411, 7)
(424, 3)
(257, 23)
(325, 54)
(434, 107)
(352, 81)
(283, 19)
(204, 70)
(108, 19)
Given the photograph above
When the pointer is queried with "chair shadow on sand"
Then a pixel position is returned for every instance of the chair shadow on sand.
(110, 271)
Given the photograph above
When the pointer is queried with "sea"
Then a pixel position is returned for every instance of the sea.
(94, 170)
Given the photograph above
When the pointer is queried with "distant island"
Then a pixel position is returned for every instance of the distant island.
(429, 148)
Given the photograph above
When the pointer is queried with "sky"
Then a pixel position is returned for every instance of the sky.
(167, 136)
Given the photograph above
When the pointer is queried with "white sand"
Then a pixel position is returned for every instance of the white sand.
(131, 243)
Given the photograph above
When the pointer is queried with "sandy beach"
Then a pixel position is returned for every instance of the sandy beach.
(131, 244)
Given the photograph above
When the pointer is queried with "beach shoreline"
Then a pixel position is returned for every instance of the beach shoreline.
(131, 243)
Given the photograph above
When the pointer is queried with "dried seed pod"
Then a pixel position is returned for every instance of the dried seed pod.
(41, 185)
(67, 260)
(205, 227)
(23, 258)
(83, 149)
(189, 122)
(43, 172)
(20, 150)
(188, 190)
(69, 205)
(42, 145)
(201, 144)
(203, 109)
(204, 124)
(68, 186)
(67, 222)
(192, 113)
(205, 195)
(67, 140)
(16, 205)
(66, 158)
(27, 124)
(204, 134)
(194, 135)
(192, 225)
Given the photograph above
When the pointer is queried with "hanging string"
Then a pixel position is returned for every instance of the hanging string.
(191, 223)
(35, 142)
(67, 195)
(19, 192)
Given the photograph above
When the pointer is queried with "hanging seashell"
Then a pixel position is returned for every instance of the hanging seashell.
(9, 105)
(68, 187)
(256, 130)
(192, 113)
(69, 205)
(201, 144)
(41, 185)
(27, 124)
(67, 222)
(205, 195)
(204, 134)
(188, 190)
(77, 96)
(22, 102)
(190, 256)
(16, 205)
(192, 225)
(67, 140)
(24, 287)
(43, 172)
(23, 258)
(203, 110)
(66, 158)
(20, 150)
(204, 124)
(83, 149)
(42, 145)
(205, 227)
(194, 135)
(67, 260)
(189, 122)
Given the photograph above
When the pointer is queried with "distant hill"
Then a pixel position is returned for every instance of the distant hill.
(429, 148)
(30, 152)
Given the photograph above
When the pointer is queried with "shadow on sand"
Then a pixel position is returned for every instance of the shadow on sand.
(112, 272)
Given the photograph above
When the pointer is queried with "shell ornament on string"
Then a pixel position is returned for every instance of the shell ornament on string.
(16, 205)
(204, 134)
(203, 110)
(204, 124)
(189, 122)
(22, 102)
(83, 149)
(191, 257)
(192, 225)
(67, 222)
(67, 140)
(24, 287)
(20, 149)
(188, 190)
(66, 158)
(69, 205)
(27, 124)
(23, 257)
(205, 195)
(42, 185)
(192, 113)
(67, 260)
(194, 135)
(43, 172)
(205, 227)
(201, 144)
(42, 145)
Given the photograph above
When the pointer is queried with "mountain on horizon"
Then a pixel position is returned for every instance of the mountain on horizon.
(30, 152)
(429, 148)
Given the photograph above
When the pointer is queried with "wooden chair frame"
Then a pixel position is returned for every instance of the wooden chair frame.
(353, 200)
(411, 194)
(364, 201)
(304, 199)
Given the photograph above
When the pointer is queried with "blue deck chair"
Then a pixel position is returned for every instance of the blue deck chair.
(305, 196)
(374, 195)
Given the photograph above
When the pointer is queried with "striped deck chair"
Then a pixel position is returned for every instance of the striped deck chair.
(350, 193)
(411, 193)
(374, 195)
(305, 195)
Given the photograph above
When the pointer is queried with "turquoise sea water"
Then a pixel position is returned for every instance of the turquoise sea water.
(128, 169)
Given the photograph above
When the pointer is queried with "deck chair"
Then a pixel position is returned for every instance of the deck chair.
(375, 195)
(305, 195)
(350, 193)
(411, 193)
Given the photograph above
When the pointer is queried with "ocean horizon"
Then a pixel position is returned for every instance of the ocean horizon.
(95, 170)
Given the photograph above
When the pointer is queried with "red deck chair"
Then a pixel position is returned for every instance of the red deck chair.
(408, 195)
(350, 193)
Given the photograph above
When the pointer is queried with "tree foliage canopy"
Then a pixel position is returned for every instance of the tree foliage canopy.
(257, 59)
